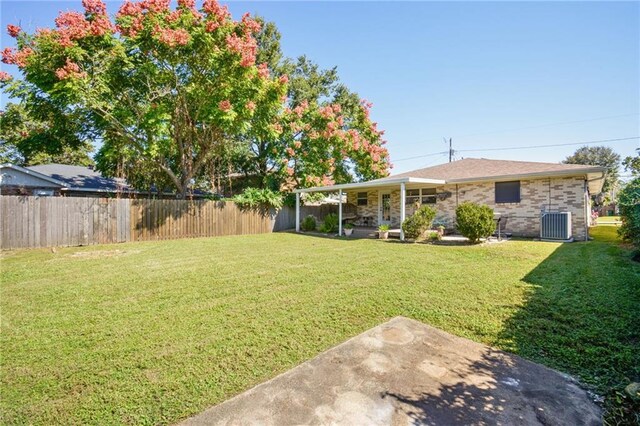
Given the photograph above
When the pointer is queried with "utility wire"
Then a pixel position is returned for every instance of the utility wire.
(517, 147)
(548, 146)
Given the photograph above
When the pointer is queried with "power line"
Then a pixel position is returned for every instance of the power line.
(517, 147)
(548, 146)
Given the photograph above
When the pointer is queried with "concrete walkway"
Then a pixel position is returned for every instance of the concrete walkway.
(405, 372)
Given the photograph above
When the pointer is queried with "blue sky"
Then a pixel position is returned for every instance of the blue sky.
(487, 74)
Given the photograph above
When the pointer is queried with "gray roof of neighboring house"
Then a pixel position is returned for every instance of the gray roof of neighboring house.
(81, 178)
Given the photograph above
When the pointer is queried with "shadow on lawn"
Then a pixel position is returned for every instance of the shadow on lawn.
(580, 313)
(493, 388)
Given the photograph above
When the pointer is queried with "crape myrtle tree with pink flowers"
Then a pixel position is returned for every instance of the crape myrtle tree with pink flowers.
(168, 90)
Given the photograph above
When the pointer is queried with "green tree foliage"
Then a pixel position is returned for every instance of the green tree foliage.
(165, 87)
(256, 198)
(598, 156)
(629, 204)
(181, 95)
(37, 133)
(475, 221)
(327, 134)
(419, 222)
(632, 163)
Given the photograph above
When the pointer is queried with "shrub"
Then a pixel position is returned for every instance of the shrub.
(255, 198)
(417, 224)
(330, 223)
(308, 223)
(629, 204)
(475, 221)
(435, 236)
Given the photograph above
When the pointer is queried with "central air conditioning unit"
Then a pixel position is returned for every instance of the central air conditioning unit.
(556, 226)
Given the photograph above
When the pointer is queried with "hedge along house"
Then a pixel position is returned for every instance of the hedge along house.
(517, 191)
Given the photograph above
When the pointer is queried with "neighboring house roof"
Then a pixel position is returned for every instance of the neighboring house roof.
(478, 170)
(6, 176)
(80, 178)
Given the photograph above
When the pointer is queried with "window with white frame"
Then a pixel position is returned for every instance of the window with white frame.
(362, 198)
(423, 196)
(428, 196)
(412, 196)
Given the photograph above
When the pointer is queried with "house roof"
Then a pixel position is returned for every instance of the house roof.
(478, 170)
(80, 178)
(31, 173)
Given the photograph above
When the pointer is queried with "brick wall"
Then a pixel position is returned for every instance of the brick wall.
(523, 218)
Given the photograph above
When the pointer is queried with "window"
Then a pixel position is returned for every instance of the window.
(423, 196)
(428, 195)
(411, 196)
(508, 192)
(362, 198)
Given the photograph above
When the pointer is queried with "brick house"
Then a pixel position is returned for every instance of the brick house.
(517, 191)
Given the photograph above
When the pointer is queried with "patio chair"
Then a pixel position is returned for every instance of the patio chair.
(501, 228)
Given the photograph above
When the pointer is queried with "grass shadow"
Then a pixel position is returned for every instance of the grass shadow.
(581, 313)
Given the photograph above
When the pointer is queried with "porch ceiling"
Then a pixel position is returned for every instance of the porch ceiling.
(410, 182)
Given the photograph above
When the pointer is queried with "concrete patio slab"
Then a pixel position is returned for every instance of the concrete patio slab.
(405, 372)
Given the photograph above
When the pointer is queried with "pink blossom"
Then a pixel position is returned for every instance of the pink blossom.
(251, 26)
(173, 16)
(224, 105)
(101, 25)
(5, 76)
(263, 70)
(326, 111)
(96, 7)
(171, 37)
(284, 79)
(70, 70)
(211, 26)
(72, 26)
(290, 171)
(290, 152)
(8, 56)
(251, 106)
(214, 10)
(297, 144)
(13, 30)
(155, 5)
(188, 4)
(246, 46)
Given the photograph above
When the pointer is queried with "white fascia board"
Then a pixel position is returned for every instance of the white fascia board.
(370, 184)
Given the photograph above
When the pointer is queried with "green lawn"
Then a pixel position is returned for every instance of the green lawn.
(146, 333)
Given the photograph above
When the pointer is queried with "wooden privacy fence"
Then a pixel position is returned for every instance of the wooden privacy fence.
(62, 221)
(170, 219)
(27, 222)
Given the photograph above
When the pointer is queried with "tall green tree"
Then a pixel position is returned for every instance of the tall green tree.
(165, 86)
(36, 133)
(599, 156)
(632, 163)
(325, 134)
(176, 92)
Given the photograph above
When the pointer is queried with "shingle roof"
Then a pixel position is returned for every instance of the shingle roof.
(80, 177)
(482, 168)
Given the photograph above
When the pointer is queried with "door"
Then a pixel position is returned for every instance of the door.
(384, 208)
